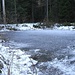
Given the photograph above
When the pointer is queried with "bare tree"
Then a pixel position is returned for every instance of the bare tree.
(4, 13)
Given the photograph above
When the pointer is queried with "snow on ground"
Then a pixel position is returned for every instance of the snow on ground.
(29, 26)
(16, 62)
(21, 64)
(63, 66)
(58, 67)
(24, 26)
(64, 27)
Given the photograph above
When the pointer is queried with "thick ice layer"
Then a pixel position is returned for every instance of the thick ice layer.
(17, 61)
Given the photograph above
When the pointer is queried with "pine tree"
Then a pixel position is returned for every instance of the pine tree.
(64, 10)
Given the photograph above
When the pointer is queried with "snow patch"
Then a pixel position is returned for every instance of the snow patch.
(17, 61)
(30, 26)
(64, 27)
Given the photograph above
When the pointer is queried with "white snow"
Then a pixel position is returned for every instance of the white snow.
(64, 66)
(64, 27)
(19, 62)
(23, 26)
(29, 26)
(26, 26)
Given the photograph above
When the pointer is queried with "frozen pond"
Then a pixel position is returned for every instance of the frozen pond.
(54, 49)
(51, 40)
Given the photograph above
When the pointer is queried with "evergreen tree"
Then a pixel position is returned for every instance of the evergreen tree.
(65, 9)
(35, 10)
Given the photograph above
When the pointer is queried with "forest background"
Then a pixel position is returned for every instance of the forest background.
(27, 11)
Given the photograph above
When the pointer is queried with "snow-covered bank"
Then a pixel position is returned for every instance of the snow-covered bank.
(23, 26)
(64, 28)
(30, 26)
(16, 62)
